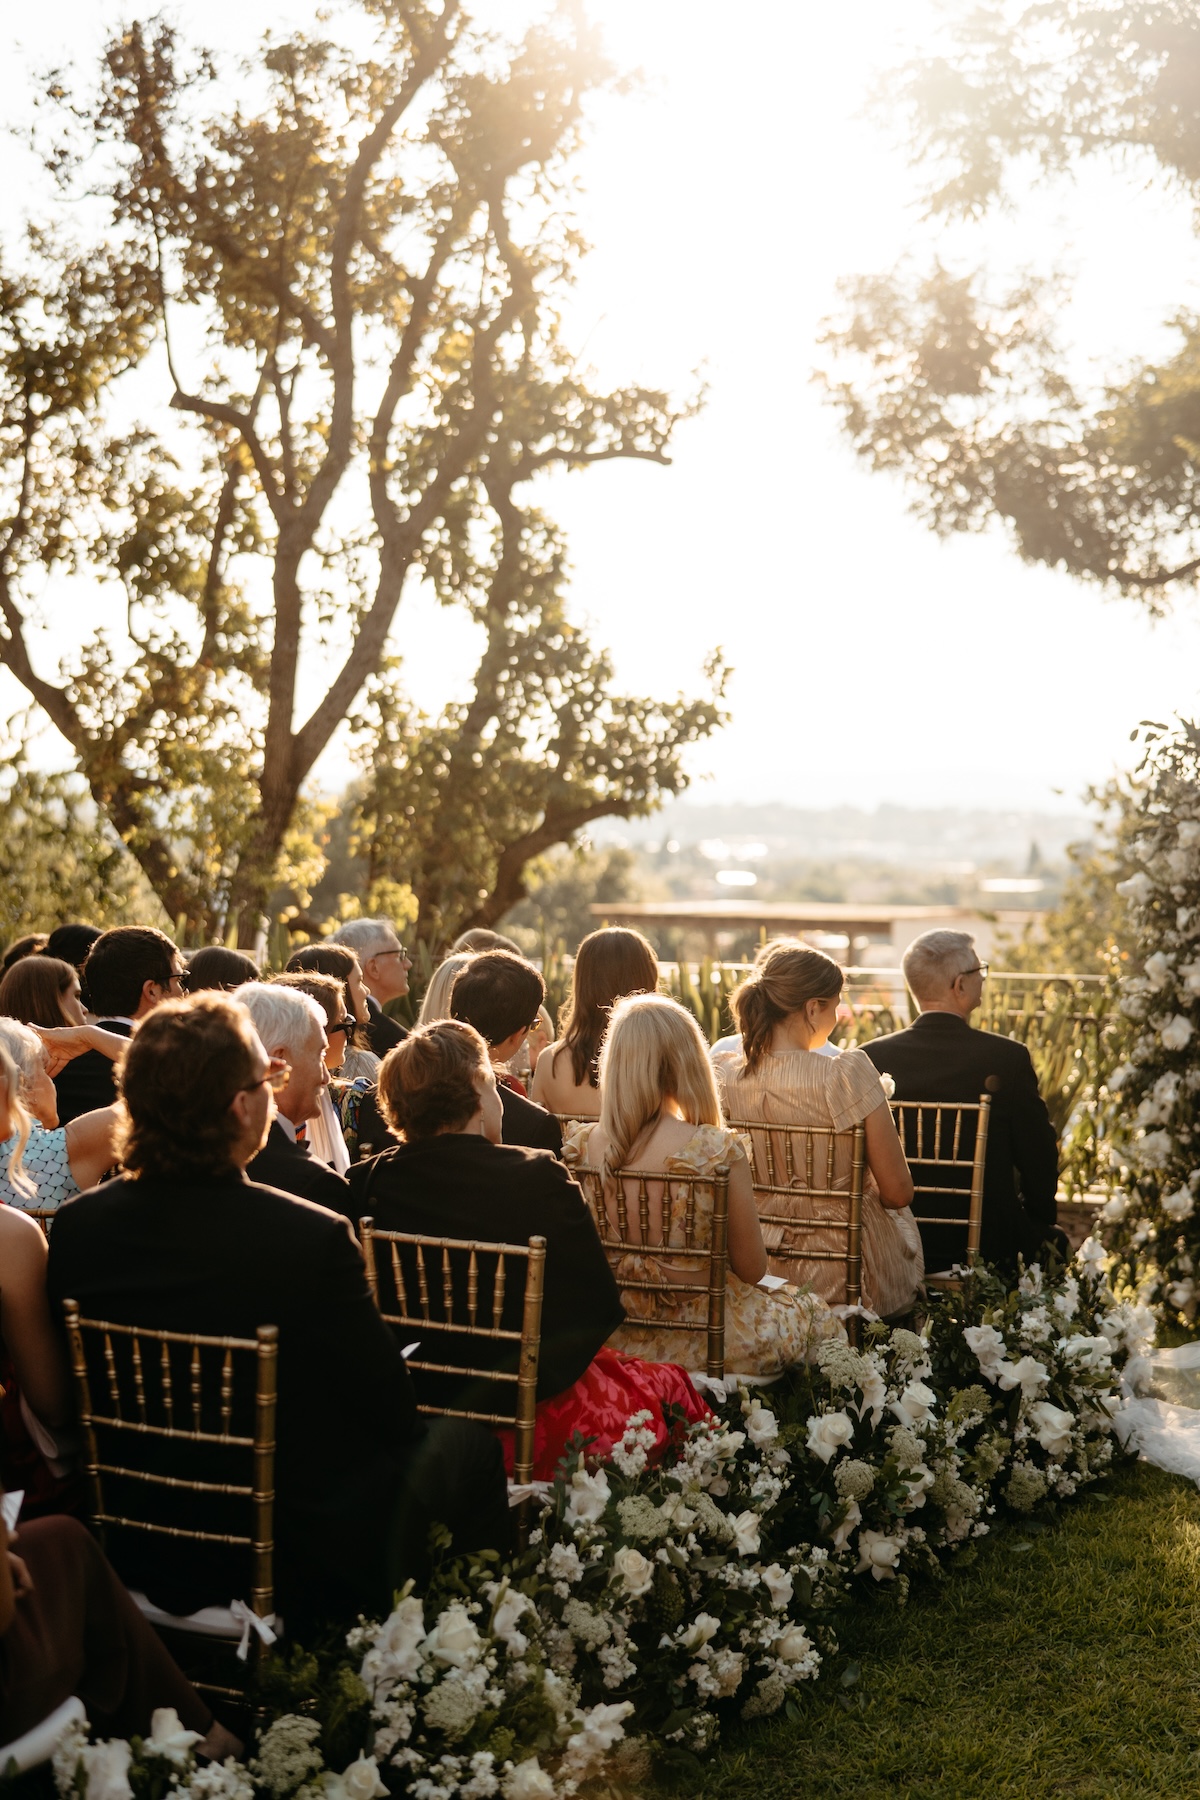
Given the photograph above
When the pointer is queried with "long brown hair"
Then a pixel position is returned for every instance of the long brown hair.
(786, 976)
(33, 989)
(609, 964)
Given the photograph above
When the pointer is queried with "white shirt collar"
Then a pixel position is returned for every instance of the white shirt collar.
(288, 1127)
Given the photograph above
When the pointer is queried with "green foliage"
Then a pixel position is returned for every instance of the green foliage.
(964, 391)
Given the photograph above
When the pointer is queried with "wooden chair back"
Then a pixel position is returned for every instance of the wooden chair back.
(177, 1390)
(457, 1287)
(658, 1216)
(952, 1138)
(802, 1163)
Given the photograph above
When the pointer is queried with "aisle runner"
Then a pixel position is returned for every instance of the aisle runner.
(1162, 1419)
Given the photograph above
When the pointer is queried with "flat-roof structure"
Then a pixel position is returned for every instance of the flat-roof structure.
(860, 924)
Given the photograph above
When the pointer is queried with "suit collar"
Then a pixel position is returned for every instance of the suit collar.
(939, 1021)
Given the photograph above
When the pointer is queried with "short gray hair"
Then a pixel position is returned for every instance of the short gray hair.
(24, 1046)
(282, 1016)
(933, 960)
(362, 936)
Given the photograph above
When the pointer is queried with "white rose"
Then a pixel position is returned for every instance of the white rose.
(1158, 969)
(745, 1528)
(677, 1512)
(361, 1780)
(1138, 888)
(1051, 1426)
(528, 1781)
(878, 1553)
(987, 1346)
(794, 1644)
(107, 1770)
(1176, 1033)
(1028, 1374)
(915, 1404)
(1114, 1210)
(634, 1571)
(1179, 1205)
(778, 1584)
(587, 1497)
(168, 1737)
(828, 1433)
(762, 1426)
(454, 1639)
(509, 1612)
(702, 1630)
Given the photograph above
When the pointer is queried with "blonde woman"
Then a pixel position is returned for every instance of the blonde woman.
(785, 1011)
(436, 1003)
(660, 1110)
(43, 1163)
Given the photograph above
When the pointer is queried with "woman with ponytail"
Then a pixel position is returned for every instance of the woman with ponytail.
(660, 1110)
(785, 1011)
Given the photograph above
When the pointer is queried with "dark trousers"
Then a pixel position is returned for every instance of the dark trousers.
(80, 1633)
(453, 1475)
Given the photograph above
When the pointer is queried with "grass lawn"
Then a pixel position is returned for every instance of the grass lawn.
(1062, 1661)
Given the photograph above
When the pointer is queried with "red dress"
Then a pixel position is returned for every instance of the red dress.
(611, 1389)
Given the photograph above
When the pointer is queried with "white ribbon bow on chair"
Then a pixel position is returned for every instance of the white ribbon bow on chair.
(248, 1619)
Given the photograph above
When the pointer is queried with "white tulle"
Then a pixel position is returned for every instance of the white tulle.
(1161, 1417)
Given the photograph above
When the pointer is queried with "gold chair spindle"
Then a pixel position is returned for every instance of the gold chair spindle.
(139, 1384)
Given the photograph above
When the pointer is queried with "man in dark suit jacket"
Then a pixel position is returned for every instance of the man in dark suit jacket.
(940, 1057)
(291, 1027)
(500, 993)
(385, 964)
(183, 1241)
(129, 971)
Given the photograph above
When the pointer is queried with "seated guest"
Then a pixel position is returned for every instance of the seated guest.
(360, 1061)
(326, 1138)
(659, 1110)
(500, 995)
(385, 964)
(67, 1626)
(608, 965)
(435, 1002)
(72, 943)
(129, 971)
(31, 945)
(291, 1027)
(785, 1010)
(219, 970)
(43, 992)
(452, 1177)
(941, 1057)
(183, 1241)
(479, 938)
(35, 1392)
(43, 1163)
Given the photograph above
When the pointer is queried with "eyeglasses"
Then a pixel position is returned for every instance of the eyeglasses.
(978, 969)
(380, 954)
(347, 1025)
(278, 1074)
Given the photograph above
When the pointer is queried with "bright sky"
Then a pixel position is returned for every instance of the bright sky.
(724, 200)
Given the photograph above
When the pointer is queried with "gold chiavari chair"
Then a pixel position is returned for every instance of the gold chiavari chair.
(670, 1226)
(436, 1288)
(950, 1138)
(800, 1164)
(45, 1216)
(181, 1394)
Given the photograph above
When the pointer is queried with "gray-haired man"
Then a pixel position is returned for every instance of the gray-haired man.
(385, 964)
(941, 1057)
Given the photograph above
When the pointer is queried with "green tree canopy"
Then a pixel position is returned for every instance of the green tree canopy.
(963, 390)
(288, 346)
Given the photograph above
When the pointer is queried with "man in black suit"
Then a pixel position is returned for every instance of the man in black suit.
(291, 1028)
(385, 964)
(129, 971)
(500, 994)
(184, 1241)
(940, 1057)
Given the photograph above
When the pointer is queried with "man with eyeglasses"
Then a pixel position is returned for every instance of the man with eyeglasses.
(942, 1057)
(129, 971)
(385, 964)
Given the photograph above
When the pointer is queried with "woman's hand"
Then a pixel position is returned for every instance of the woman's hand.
(64, 1042)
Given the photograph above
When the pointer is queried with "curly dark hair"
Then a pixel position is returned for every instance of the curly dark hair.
(429, 1083)
(185, 1062)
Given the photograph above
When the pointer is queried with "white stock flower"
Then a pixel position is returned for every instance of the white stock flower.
(778, 1584)
(1028, 1374)
(988, 1348)
(587, 1497)
(1176, 1033)
(745, 1527)
(511, 1608)
(563, 1563)
(454, 1639)
(597, 1730)
(702, 1630)
(915, 1405)
(396, 1653)
(828, 1433)
(1114, 1210)
(168, 1737)
(878, 1553)
(634, 1571)
(1178, 1206)
(1051, 1426)
(762, 1427)
(1138, 888)
(107, 1770)
(528, 1781)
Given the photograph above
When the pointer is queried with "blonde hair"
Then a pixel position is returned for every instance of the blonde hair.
(436, 1004)
(20, 1052)
(653, 1051)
